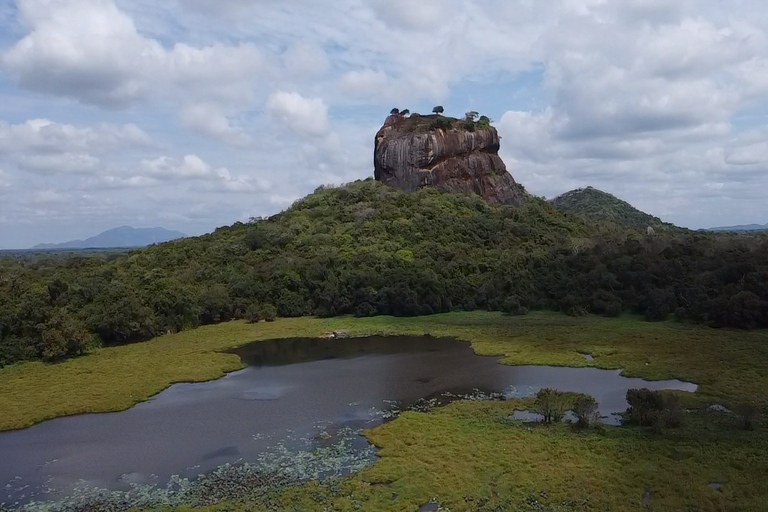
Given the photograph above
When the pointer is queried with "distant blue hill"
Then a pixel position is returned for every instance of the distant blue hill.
(124, 236)
(746, 227)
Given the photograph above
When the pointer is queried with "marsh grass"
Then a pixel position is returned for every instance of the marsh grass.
(728, 365)
(470, 455)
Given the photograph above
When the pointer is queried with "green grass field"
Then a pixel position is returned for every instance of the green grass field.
(470, 456)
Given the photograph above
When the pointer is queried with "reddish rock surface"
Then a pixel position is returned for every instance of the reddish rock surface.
(413, 152)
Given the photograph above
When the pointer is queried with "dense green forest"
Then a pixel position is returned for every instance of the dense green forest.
(595, 205)
(366, 249)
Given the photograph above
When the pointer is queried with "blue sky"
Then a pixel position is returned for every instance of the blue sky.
(191, 114)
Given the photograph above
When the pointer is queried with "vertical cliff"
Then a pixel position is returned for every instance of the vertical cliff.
(449, 154)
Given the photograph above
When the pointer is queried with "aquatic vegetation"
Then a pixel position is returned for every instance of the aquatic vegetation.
(274, 470)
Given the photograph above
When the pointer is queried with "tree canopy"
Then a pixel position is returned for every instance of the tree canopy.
(367, 249)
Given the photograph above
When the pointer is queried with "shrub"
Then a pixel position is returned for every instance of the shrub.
(571, 306)
(292, 304)
(658, 305)
(253, 314)
(268, 312)
(365, 309)
(585, 409)
(512, 306)
(653, 409)
(441, 123)
(613, 309)
(63, 336)
(749, 415)
(606, 304)
(644, 406)
(551, 404)
(672, 415)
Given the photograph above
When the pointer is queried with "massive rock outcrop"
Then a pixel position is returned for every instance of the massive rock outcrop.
(448, 154)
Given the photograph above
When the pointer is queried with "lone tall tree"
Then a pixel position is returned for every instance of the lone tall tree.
(438, 109)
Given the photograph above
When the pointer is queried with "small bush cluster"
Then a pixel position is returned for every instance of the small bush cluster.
(654, 409)
(551, 404)
(441, 123)
(749, 414)
(585, 409)
(256, 313)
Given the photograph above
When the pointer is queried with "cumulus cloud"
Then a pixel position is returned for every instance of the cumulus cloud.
(192, 169)
(423, 15)
(48, 196)
(48, 136)
(208, 120)
(749, 155)
(305, 61)
(661, 103)
(166, 168)
(365, 82)
(59, 163)
(118, 182)
(5, 182)
(303, 115)
(91, 51)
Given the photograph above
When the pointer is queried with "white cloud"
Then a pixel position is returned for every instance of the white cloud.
(166, 168)
(5, 182)
(364, 83)
(306, 61)
(48, 196)
(43, 135)
(422, 15)
(662, 103)
(208, 120)
(82, 163)
(117, 182)
(91, 51)
(192, 170)
(303, 115)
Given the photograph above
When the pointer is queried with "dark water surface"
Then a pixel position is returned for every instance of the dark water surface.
(297, 391)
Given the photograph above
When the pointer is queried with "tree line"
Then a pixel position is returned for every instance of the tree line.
(366, 249)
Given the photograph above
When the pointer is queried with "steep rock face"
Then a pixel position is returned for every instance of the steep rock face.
(436, 151)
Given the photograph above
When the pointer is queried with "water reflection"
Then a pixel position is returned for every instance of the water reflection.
(296, 391)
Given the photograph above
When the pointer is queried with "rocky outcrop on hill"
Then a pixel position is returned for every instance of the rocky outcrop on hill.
(449, 154)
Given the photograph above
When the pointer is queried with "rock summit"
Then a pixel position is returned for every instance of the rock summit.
(452, 155)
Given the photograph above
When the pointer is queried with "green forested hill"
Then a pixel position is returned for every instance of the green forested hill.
(367, 249)
(596, 205)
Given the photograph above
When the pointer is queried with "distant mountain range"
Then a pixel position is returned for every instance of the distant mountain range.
(599, 206)
(124, 236)
(746, 227)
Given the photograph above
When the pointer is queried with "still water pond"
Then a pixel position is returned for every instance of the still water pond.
(296, 392)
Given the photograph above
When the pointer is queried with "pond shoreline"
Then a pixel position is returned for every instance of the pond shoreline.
(289, 386)
(651, 351)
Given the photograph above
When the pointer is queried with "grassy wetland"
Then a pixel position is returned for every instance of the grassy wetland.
(472, 455)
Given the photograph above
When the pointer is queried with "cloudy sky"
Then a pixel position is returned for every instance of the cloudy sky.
(192, 114)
